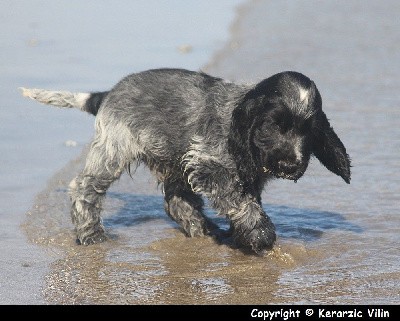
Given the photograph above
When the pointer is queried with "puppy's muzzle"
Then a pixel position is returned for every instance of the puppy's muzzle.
(288, 167)
(291, 170)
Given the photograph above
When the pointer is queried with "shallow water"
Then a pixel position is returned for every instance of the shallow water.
(337, 243)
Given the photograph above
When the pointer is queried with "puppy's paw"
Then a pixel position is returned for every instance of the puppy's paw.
(194, 228)
(223, 237)
(258, 239)
(96, 237)
(198, 226)
(261, 239)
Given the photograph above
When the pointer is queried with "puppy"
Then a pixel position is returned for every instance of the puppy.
(201, 136)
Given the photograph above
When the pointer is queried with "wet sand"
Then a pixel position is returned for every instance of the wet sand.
(337, 243)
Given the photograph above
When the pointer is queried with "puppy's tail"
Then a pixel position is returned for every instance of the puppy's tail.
(89, 102)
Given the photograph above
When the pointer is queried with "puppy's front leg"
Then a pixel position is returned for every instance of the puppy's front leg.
(252, 228)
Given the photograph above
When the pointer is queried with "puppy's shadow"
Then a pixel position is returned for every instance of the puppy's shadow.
(298, 223)
(307, 224)
(136, 209)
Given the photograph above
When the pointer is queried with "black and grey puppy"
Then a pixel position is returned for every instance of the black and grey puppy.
(201, 136)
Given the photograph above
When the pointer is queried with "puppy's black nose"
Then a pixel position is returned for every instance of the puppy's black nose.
(288, 167)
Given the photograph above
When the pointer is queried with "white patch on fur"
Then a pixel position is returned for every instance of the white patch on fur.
(302, 107)
(304, 93)
(200, 152)
(73, 184)
(81, 99)
(120, 146)
(297, 150)
(57, 98)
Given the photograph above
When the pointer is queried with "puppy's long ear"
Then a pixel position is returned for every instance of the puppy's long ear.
(239, 137)
(329, 149)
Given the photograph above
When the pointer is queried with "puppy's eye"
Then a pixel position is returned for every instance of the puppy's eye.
(273, 126)
(282, 126)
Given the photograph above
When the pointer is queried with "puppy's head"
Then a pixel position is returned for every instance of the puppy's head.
(277, 127)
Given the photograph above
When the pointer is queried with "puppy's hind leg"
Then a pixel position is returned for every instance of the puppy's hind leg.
(87, 192)
(186, 208)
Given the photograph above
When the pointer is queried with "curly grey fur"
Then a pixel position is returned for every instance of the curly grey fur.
(202, 136)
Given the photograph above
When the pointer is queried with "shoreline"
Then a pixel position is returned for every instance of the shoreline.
(233, 42)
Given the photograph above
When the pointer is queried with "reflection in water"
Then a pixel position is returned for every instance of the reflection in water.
(306, 224)
(297, 223)
(135, 209)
